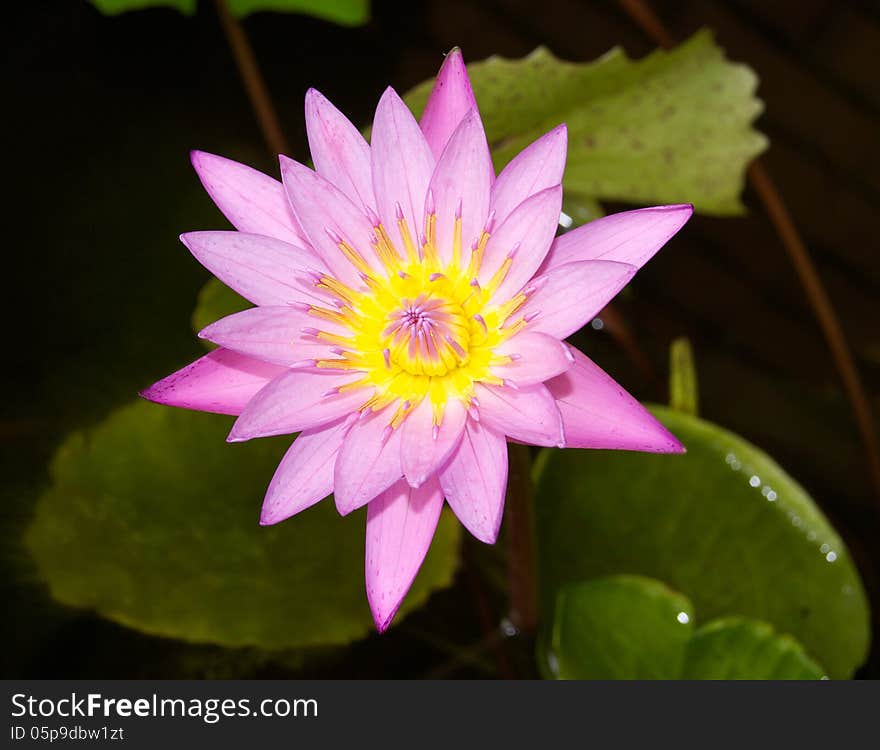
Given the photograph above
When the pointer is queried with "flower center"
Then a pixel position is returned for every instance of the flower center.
(427, 336)
(419, 327)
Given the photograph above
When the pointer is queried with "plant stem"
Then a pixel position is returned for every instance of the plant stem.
(253, 80)
(488, 621)
(521, 565)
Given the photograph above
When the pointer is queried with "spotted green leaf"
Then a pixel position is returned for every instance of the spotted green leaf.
(152, 521)
(674, 127)
(723, 524)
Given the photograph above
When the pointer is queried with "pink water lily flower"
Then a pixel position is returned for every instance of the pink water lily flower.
(411, 311)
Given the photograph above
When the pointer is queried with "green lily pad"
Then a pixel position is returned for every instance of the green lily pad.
(619, 628)
(635, 628)
(343, 12)
(674, 127)
(723, 524)
(152, 521)
(742, 649)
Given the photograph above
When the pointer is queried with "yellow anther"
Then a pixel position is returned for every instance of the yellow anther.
(500, 274)
(477, 256)
(511, 306)
(385, 248)
(357, 260)
(337, 288)
(331, 315)
(456, 242)
(403, 229)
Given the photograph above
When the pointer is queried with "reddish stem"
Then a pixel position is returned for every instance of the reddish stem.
(253, 80)
(521, 561)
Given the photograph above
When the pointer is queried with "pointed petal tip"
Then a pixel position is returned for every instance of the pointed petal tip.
(453, 58)
(560, 130)
(686, 209)
(236, 437)
(382, 614)
(487, 536)
(157, 393)
(389, 93)
(665, 441)
(416, 482)
(383, 622)
(272, 515)
(199, 159)
(341, 509)
(286, 163)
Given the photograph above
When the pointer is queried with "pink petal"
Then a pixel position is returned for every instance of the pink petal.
(527, 233)
(528, 415)
(568, 296)
(261, 269)
(252, 201)
(421, 451)
(368, 462)
(305, 474)
(400, 526)
(339, 151)
(327, 216)
(274, 334)
(535, 168)
(221, 382)
(627, 237)
(451, 99)
(598, 413)
(402, 166)
(298, 400)
(475, 480)
(461, 182)
(537, 357)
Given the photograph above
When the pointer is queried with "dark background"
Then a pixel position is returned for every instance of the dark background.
(100, 113)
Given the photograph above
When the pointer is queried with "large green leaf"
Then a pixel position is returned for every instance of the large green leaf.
(635, 628)
(620, 628)
(674, 127)
(151, 520)
(742, 649)
(344, 12)
(723, 524)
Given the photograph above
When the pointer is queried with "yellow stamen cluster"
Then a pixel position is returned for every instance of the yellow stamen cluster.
(418, 328)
